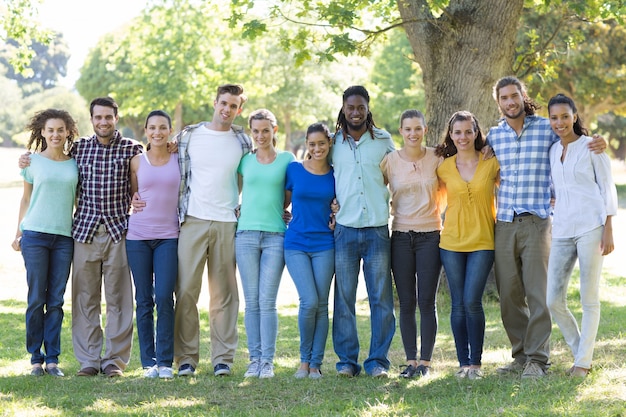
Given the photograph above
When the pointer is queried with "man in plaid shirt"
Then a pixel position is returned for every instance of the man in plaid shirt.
(521, 142)
(99, 232)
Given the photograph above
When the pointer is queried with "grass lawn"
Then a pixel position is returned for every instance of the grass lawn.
(603, 393)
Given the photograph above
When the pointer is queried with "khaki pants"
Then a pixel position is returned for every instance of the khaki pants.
(212, 243)
(521, 267)
(92, 262)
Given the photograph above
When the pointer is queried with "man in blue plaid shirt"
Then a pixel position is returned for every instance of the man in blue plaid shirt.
(521, 142)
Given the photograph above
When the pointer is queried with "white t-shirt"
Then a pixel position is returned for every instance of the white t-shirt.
(214, 157)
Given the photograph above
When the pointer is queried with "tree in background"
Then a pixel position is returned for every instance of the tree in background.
(461, 46)
(18, 21)
(44, 69)
(396, 81)
(587, 62)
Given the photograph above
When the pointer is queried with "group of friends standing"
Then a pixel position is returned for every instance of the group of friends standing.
(186, 215)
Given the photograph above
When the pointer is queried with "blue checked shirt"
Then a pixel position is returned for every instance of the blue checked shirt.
(103, 186)
(525, 184)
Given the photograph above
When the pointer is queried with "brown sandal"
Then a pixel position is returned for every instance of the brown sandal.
(579, 372)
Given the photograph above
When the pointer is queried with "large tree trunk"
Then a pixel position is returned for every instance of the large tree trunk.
(452, 51)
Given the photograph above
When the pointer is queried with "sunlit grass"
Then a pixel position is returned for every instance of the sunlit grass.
(603, 393)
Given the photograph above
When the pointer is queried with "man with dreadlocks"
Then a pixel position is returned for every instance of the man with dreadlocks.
(361, 233)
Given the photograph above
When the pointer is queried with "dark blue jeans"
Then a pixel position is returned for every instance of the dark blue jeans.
(47, 259)
(467, 274)
(154, 265)
(416, 267)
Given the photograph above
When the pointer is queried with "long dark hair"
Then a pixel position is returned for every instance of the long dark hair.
(342, 124)
(579, 129)
(448, 149)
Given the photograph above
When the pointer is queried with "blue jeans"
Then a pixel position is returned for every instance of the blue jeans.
(372, 245)
(260, 259)
(416, 268)
(47, 259)
(154, 265)
(312, 273)
(467, 274)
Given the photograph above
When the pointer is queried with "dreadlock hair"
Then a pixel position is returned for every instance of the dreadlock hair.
(530, 106)
(37, 123)
(342, 123)
(578, 127)
(448, 147)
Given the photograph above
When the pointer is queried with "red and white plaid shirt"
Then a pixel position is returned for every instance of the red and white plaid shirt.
(103, 186)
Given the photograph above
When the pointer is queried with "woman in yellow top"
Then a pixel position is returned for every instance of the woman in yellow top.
(467, 240)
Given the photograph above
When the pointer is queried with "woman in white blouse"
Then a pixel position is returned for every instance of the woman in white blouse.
(586, 199)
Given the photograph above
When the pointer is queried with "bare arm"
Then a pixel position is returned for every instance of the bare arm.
(24, 204)
(607, 245)
(136, 202)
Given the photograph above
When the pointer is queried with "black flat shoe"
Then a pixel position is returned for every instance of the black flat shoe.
(408, 372)
(422, 370)
(54, 371)
(37, 371)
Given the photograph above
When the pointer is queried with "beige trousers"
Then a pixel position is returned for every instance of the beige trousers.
(210, 243)
(93, 262)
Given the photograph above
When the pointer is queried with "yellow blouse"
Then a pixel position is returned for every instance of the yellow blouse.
(469, 220)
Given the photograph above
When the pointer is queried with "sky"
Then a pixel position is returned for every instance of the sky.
(83, 22)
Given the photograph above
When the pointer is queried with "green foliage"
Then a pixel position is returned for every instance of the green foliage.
(44, 69)
(396, 81)
(19, 22)
(57, 98)
(613, 127)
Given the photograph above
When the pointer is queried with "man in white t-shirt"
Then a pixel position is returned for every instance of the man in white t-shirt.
(209, 154)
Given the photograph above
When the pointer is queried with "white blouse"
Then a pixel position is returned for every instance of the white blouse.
(583, 188)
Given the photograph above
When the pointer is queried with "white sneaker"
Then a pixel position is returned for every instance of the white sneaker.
(253, 369)
(267, 370)
(151, 372)
(166, 372)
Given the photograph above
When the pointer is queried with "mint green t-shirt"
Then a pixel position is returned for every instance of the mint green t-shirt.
(263, 193)
(52, 200)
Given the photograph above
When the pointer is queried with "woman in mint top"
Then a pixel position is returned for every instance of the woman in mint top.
(259, 239)
(44, 233)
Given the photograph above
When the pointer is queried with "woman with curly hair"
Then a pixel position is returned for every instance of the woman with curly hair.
(44, 234)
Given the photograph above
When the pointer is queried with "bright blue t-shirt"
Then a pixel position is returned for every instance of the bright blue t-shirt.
(311, 196)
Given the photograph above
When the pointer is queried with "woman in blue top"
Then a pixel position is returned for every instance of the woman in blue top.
(310, 245)
(44, 233)
(259, 239)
